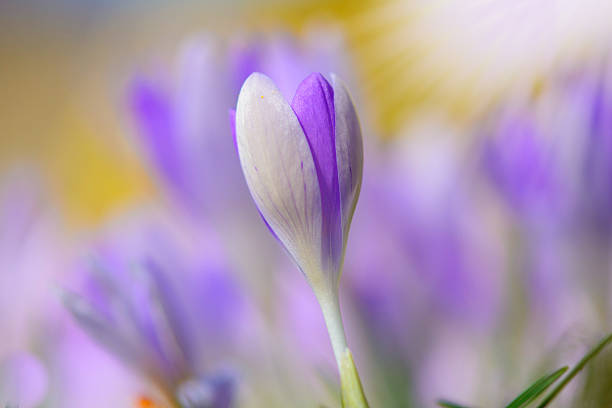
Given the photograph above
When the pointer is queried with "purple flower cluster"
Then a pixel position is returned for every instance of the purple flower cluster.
(474, 250)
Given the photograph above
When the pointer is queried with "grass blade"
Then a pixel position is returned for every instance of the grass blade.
(536, 389)
(588, 357)
(448, 404)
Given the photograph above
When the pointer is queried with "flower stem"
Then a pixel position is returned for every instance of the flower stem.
(352, 391)
(333, 320)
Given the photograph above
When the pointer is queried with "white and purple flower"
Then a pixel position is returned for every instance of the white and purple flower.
(303, 165)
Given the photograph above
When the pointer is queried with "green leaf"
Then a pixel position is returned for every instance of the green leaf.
(536, 389)
(448, 404)
(588, 357)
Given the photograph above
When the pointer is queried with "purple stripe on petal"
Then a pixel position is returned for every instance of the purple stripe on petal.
(313, 105)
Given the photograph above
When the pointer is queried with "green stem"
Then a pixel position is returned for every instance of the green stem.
(352, 391)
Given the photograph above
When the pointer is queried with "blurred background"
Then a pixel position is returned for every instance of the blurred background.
(136, 272)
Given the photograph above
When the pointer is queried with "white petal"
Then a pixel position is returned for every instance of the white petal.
(349, 152)
(279, 170)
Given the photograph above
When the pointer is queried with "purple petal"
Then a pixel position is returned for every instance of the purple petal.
(313, 105)
(173, 312)
(601, 109)
(220, 303)
(104, 333)
(139, 312)
(156, 120)
(349, 151)
(153, 329)
(518, 162)
(596, 196)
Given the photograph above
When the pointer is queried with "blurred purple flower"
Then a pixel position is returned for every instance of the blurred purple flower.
(378, 280)
(182, 127)
(550, 159)
(160, 320)
(520, 164)
(543, 165)
(427, 203)
(595, 182)
(157, 119)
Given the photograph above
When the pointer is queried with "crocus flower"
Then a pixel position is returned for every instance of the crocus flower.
(520, 164)
(179, 122)
(148, 335)
(137, 311)
(303, 165)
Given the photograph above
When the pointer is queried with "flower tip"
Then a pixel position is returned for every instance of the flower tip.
(255, 87)
(315, 80)
(253, 79)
